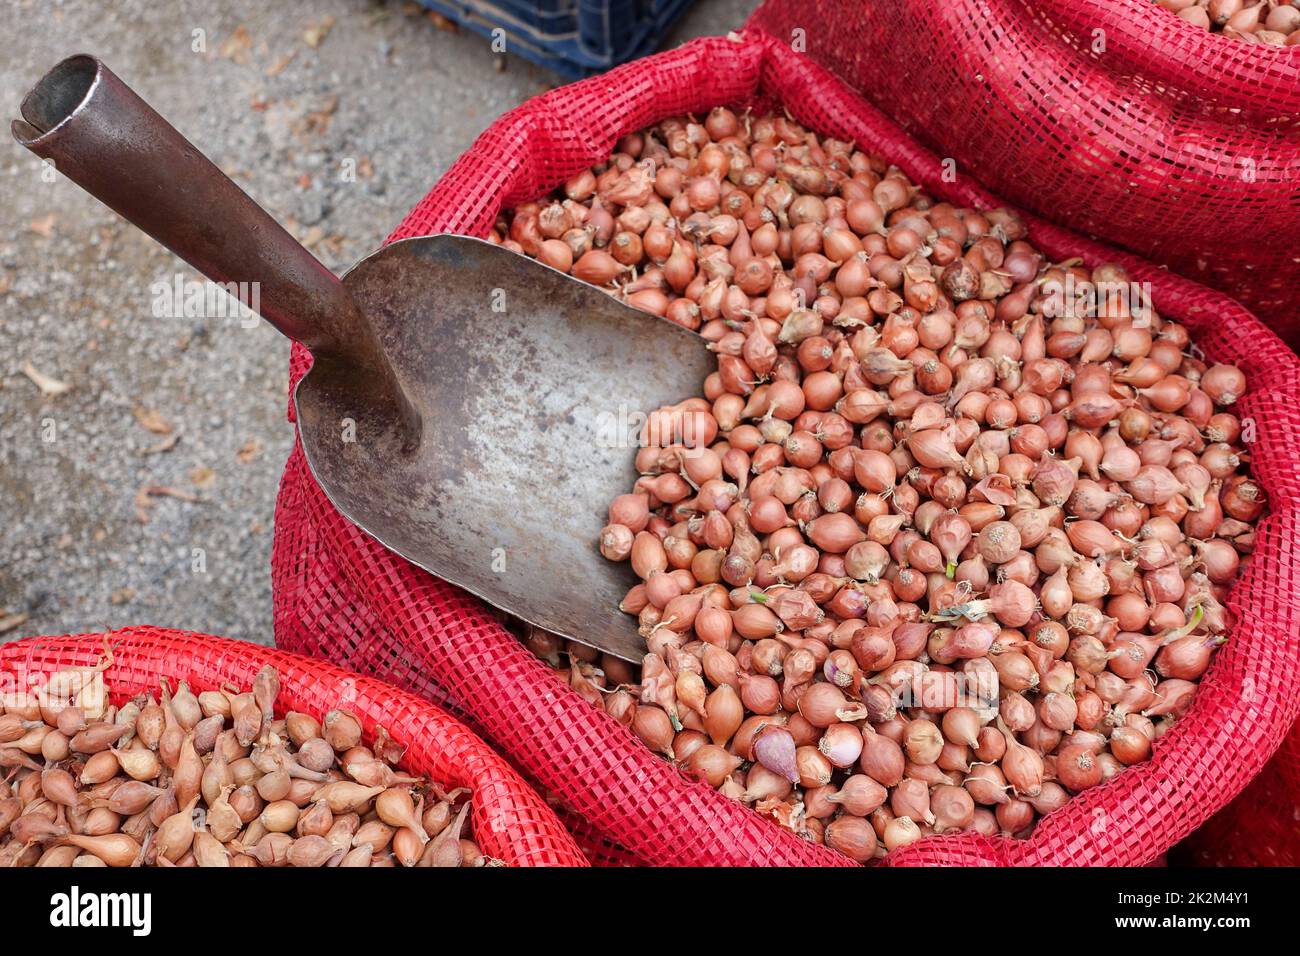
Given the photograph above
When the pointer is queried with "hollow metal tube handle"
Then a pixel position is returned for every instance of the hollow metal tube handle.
(112, 144)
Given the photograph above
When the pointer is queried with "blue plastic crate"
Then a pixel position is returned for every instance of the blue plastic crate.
(550, 17)
(575, 38)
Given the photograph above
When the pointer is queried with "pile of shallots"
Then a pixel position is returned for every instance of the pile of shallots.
(213, 780)
(946, 538)
(1275, 22)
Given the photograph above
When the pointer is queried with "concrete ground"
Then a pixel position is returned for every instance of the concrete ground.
(139, 454)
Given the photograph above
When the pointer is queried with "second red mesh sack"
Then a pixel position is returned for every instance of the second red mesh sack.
(342, 596)
(510, 822)
(1262, 826)
(1112, 117)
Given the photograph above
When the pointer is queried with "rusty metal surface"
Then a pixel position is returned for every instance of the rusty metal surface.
(473, 410)
(530, 419)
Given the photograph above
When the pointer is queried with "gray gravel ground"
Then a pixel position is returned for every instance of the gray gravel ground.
(383, 87)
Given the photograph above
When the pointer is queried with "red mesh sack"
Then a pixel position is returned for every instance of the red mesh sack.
(1262, 826)
(1113, 117)
(510, 821)
(341, 595)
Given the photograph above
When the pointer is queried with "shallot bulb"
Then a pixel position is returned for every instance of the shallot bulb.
(933, 541)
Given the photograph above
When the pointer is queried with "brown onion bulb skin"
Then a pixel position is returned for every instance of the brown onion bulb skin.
(291, 792)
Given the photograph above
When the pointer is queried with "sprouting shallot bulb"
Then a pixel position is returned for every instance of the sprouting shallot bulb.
(144, 790)
(928, 493)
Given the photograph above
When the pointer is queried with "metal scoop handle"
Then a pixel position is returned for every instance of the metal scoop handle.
(112, 144)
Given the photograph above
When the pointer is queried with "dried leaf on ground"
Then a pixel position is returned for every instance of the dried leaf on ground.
(276, 68)
(121, 595)
(152, 419)
(143, 499)
(446, 24)
(316, 33)
(312, 236)
(203, 477)
(167, 444)
(332, 244)
(248, 451)
(48, 385)
(236, 46)
(316, 122)
(10, 621)
(44, 225)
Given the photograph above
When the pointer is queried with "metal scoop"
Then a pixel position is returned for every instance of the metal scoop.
(472, 409)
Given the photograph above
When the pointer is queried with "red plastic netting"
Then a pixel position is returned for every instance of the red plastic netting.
(1119, 120)
(1262, 826)
(1112, 117)
(342, 596)
(510, 821)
